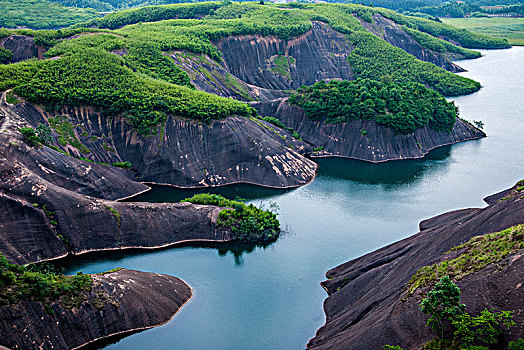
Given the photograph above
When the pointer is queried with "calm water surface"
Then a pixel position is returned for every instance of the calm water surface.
(270, 298)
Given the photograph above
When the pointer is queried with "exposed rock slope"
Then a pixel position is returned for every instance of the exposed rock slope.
(54, 204)
(185, 153)
(119, 302)
(23, 47)
(376, 144)
(368, 308)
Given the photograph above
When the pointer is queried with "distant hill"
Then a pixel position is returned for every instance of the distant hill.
(41, 14)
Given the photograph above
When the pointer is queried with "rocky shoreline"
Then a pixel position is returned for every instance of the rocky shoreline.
(119, 302)
(369, 305)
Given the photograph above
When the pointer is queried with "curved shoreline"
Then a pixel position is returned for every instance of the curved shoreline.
(136, 330)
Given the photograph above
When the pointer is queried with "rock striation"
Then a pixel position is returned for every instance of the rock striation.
(185, 153)
(54, 204)
(368, 305)
(363, 139)
(119, 302)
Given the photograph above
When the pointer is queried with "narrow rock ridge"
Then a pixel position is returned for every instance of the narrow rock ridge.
(377, 144)
(368, 306)
(119, 302)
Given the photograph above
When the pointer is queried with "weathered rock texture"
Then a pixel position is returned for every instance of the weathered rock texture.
(119, 302)
(53, 204)
(371, 309)
(319, 54)
(377, 144)
(187, 153)
(391, 32)
(23, 47)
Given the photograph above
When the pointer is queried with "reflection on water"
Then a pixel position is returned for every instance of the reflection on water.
(388, 173)
(270, 298)
(170, 194)
(397, 172)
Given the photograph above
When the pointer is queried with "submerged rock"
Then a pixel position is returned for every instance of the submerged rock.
(369, 305)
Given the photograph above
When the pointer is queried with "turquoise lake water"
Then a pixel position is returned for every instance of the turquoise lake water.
(270, 298)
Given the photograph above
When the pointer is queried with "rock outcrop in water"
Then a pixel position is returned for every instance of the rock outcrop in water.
(119, 302)
(376, 144)
(185, 153)
(368, 305)
(53, 204)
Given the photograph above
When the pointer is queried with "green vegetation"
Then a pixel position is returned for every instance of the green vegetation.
(116, 214)
(41, 14)
(439, 45)
(246, 222)
(123, 165)
(474, 255)
(11, 98)
(281, 125)
(128, 72)
(30, 137)
(456, 328)
(282, 64)
(19, 283)
(511, 29)
(443, 305)
(5, 55)
(374, 58)
(518, 189)
(66, 130)
(401, 107)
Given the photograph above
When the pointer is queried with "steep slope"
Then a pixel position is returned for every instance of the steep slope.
(54, 204)
(184, 152)
(364, 139)
(118, 302)
(368, 305)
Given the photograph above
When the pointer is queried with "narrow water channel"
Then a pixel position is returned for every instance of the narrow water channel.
(270, 298)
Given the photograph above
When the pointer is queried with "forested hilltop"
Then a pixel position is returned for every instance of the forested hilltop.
(153, 66)
(128, 72)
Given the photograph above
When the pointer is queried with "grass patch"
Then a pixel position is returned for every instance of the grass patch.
(474, 256)
(37, 283)
(116, 214)
(66, 130)
(11, 98)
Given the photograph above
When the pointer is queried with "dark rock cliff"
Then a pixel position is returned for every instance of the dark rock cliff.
(376, 144)
(367, 305)
(391, 32)
(317, 55)
(119, 302)
(53, 204)
(23, 47)
(187, 153)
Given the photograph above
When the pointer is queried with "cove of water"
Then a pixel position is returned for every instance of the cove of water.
(270, 298)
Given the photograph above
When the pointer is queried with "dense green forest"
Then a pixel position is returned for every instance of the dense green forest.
(118, 65)
(445, 8)
(41, 14)
(404, 107)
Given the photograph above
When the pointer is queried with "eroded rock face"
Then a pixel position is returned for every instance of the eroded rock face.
(371, 309)
(23, 47)
(364, 139)
(317, 55)
(391, 32)
(53, 204)
(187, 153)
(119, 302)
